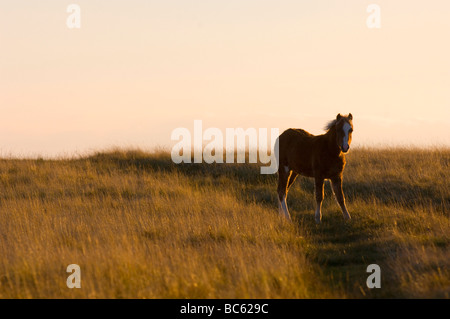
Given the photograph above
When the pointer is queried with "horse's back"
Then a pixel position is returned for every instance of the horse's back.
(296, 150)
(295, 136)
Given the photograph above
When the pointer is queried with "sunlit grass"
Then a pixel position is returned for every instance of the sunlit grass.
(141, 226)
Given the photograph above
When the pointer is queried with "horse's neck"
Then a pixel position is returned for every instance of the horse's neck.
(331, 142)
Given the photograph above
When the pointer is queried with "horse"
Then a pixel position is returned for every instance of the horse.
(318, 156)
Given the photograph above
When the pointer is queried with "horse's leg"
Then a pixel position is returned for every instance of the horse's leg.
(319, 197)
(283, 179)
(339, 194)
(291, 180)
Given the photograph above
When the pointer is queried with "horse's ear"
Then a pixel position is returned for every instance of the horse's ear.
(338, 116)
(350, 116)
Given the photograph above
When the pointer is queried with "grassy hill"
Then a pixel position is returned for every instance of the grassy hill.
(140, 226)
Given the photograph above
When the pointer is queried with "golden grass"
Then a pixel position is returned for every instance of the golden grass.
(140, 226)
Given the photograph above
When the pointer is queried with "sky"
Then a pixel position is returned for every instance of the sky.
(138, 69)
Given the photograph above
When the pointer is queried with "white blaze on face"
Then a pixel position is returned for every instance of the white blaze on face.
(346, 128)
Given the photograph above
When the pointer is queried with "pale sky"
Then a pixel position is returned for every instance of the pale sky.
(138, 69)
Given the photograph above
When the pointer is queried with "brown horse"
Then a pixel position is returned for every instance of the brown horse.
(321, 157)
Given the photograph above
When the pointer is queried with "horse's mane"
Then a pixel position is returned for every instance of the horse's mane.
(330, 125)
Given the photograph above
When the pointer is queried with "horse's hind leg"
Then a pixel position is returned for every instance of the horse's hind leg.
(319, 197)
(291, 180)
(283, 179)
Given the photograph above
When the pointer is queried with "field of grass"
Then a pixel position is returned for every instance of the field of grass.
(140, 226)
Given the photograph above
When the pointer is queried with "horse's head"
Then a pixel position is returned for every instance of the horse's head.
(344, 129)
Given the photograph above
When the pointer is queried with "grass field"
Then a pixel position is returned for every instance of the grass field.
(140, 226)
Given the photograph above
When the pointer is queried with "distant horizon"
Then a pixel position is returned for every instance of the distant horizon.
(361, 139)
(76, 154)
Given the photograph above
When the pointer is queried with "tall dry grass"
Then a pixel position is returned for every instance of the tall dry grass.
(140, 226)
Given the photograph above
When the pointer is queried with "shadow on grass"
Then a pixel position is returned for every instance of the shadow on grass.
(141, 161)
(343, 249)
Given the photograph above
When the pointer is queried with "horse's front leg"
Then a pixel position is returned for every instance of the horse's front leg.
(319, 197)
(339, 194)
